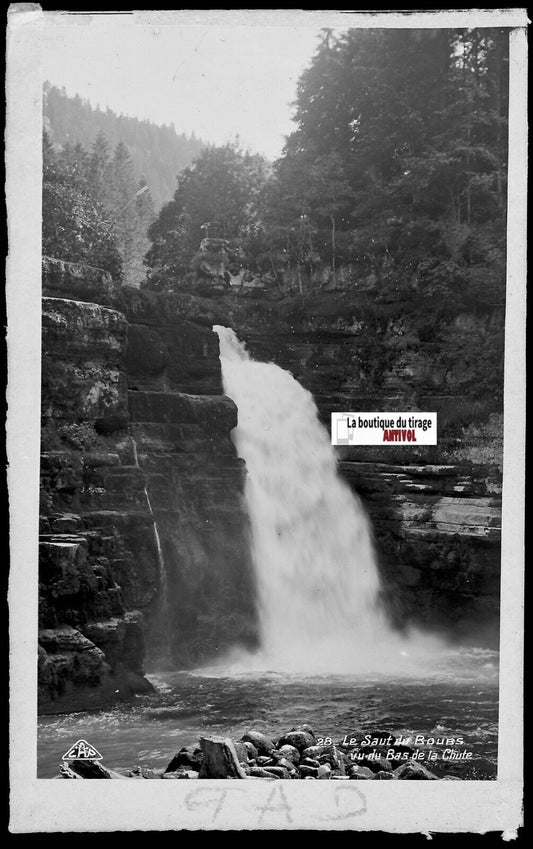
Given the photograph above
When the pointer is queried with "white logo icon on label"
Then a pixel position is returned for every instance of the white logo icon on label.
(82, 751)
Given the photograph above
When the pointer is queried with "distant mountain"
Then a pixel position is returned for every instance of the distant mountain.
(158, 153)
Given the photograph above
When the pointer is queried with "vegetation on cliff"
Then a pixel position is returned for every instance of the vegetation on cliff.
(223, 184)
(393, 182)
(396, 168)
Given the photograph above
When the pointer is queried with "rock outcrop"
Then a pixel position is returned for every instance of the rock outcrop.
(143, 548)
(436, 510)
(144, 537)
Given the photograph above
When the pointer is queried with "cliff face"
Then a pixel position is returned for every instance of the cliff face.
(143, 549)
(144, 546)
(436, 510)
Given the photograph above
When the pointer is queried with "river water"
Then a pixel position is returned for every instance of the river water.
(458, 699)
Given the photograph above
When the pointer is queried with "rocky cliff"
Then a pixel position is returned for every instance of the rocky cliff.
(143, 548)
(436, 510)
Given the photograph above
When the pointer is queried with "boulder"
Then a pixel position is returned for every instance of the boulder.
(304, 727)
(311, 752)
(291, 753)
(377, 764)
(332, 756)
(414, 771)
(260, 741)
(277, 771)
(91, 769)
(260, 772)
(310, 762)
(189, 757)
(361, 773)
(308, 771)
(289, 766)
(242, 751)
(181, 773)
(220, 758)
(252, 751)
(301, 740)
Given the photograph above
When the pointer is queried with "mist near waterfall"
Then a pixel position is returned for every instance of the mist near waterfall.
(317, 579)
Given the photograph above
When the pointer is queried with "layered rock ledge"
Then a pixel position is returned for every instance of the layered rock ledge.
(141, 492)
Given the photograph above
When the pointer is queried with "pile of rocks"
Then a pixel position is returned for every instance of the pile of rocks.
(294, 755)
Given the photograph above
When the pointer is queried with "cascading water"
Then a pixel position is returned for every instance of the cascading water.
(317, 579)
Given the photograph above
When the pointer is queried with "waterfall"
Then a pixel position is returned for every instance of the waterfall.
(163, 579)
(317, 579)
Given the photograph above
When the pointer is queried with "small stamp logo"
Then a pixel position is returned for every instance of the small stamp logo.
(82, 751)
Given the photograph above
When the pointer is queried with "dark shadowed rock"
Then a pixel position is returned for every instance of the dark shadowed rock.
(332, 756)
(252, 751)
(311, 752)
(289, 766)
(291, 753)
(301, 740)
(277, 771)
(220, 759)
(361, 773)
(261, 772)
(310, 762)
(414, 771)
(376, 764)
(181, 773)
(92, 769)
(262, 743)
(187, 774)
(95, 486)
(304, 727)
(308, 771)
(189, 757)
(66, 772)
(242, 751)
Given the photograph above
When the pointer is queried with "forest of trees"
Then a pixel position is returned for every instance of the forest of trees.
(394, 178)
(395, 175)
(157, 153)
(396, 168)
(94, 209)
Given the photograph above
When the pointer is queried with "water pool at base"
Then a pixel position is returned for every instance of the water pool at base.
(458, 699)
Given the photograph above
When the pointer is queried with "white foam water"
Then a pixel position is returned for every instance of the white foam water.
(317, 580)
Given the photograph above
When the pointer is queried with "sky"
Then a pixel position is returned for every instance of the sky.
(218, 79)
